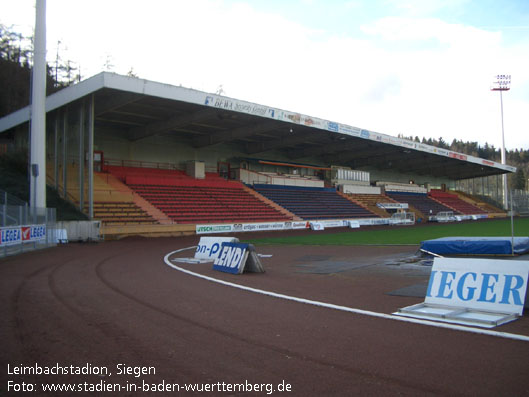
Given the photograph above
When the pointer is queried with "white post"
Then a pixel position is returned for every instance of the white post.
(503, 156)
(502, 82)
(91, 121)
(38, 111)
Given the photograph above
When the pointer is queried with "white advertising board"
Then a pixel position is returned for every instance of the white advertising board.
(393, 206)
(22, 234)
(250, 227)
(209, 247)
(317, 226)
(482, 284)
(354, 224)
(237, 258)
(482, 292)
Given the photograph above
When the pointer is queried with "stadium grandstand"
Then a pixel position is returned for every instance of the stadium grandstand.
(149, 158)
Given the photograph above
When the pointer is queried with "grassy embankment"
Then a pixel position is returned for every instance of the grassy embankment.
(14, 180)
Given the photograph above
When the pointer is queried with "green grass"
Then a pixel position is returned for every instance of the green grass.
(406, 234)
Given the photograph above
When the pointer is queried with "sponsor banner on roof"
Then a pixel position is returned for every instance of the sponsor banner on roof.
(331, 126)
(458, 156)
(345, 129)
(231, 104)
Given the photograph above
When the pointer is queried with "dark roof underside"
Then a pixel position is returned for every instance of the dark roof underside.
(135, 117)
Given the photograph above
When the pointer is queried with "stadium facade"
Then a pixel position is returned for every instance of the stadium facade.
(111, 120)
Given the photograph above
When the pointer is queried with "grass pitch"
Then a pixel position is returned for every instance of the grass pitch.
(403, 235)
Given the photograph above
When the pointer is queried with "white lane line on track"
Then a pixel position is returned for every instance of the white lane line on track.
(344, 308)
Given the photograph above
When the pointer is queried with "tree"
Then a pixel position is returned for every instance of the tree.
(132, 73)
(14, 46)
(109, 63)
(442, 144)
(519, 180)
(15, 71)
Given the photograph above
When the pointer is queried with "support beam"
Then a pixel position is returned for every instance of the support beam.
(37, 197)
(237, 133)
(176, 122)
(367, 154)
(114, 102)
(56, 150)
(286, 140)
(81, 156)
(91, 157)
(331, 148)
(64, 152)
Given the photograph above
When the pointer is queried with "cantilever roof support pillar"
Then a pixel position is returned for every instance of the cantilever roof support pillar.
(37, 195)
(56, 151)
(81, 160)
(91, 157)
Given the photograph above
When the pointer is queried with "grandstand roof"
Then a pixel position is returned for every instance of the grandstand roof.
(136, 109)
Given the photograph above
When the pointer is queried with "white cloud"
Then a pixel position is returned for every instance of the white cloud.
(416, 76)
(396, 29)
(423, 8)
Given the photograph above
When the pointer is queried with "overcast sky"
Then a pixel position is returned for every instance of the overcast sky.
(415, 67)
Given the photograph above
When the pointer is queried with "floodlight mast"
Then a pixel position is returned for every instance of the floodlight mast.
(502, 82)
(38, 112)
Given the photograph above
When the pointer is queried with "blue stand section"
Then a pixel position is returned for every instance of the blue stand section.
(476, 245)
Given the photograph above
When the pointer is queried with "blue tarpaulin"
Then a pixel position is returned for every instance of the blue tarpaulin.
(476, 245)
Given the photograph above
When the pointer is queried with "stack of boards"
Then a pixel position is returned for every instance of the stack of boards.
(227, 254)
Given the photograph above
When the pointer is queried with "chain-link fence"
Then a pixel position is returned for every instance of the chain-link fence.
(520, 202)
(23, 228)
(490, 190)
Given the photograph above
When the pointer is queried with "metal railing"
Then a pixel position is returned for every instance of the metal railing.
(142, 164)
(9, 199)
(16, 217)
(520, 202)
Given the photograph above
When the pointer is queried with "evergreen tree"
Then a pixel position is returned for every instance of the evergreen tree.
(15, 71)
(519, 180)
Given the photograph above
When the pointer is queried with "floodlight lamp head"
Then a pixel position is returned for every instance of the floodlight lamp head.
(501, 82)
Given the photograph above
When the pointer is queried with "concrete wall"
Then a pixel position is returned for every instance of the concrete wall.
(165, 149)
(359, 189)
(80, 230)
(430, 181)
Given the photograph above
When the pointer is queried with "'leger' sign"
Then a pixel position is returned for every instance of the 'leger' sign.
(232, 258)
(483, 284)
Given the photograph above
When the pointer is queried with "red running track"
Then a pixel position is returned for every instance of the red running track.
(118, 302)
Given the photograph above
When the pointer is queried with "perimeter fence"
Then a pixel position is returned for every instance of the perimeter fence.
(520, 202)
(23, 228)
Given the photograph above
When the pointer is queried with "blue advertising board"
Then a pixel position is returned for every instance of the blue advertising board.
(232, 258)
